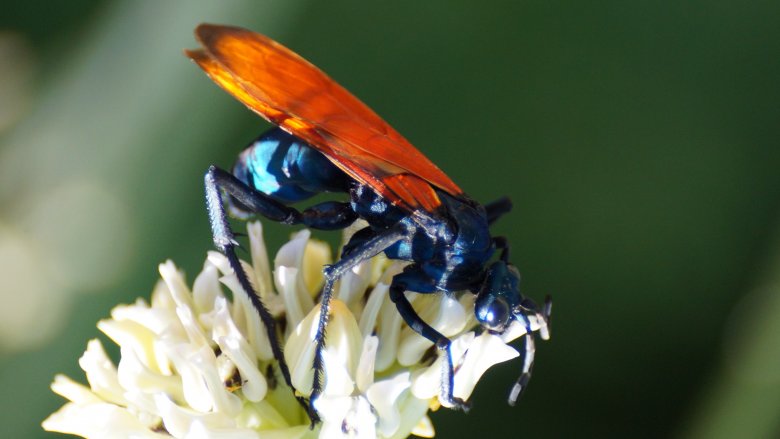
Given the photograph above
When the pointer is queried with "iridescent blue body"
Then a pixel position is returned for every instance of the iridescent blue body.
(281, 166)
(449, 250)
(286, 169)
(414, 211)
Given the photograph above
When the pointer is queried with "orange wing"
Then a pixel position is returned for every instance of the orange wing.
(290, 92)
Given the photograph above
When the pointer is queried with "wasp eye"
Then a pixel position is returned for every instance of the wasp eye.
(494, 313)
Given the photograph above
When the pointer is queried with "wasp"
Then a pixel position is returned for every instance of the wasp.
(327, 140)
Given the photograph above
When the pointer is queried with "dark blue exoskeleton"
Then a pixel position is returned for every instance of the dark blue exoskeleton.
(449, 251)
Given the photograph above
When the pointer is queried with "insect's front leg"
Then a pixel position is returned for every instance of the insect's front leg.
(529, 351)
(217, 180)
(529, 308)
(366, 250)
(412, 278)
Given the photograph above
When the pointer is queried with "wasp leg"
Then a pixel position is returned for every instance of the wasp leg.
(415, 280)
(356, 240)
(529, 345)
(216, 180)
(498, 208)
(529, 351)
(329, 215)
(367, 250)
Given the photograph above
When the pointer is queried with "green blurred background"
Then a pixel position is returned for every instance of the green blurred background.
(638, 140)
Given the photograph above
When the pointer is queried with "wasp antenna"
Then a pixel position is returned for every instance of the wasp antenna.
(544, 330)
(547, 310)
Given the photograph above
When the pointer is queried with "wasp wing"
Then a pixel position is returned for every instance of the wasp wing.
(287, 90)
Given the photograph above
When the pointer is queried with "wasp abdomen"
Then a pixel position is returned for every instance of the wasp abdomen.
(287, 169)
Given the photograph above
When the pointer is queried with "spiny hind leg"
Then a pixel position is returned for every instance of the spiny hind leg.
(217, 181)
(368, 249)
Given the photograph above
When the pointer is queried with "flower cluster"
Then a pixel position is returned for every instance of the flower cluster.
(197, 364)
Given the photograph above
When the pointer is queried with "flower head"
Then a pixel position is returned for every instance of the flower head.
(197, 364)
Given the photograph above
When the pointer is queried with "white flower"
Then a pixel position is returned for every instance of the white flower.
(196, 364)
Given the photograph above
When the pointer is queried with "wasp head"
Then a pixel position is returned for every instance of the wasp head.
(500, 303)
(501, 309)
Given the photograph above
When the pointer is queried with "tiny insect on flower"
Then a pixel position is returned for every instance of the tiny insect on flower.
(196, 362)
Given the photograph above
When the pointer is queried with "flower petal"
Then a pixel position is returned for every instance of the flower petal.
(413, 410)
(260, 265)
(426, 383)
(132, 335)
(484, 352)
(346, 417)
(288, 274)
(424, 428)
(342, 350)
(389, 332)
(73, 391)
(98, 421)
(178, 421)
(206, 288)
(448, 318)
(234, 345)
(364, 376)
(352, 285)
(174, 279)
(383, 396)
(368, 317)
(134, 376)
(246, 317)
(200, 430)
(101, 373)
(518, 329)
(315, 256)
(203, 388)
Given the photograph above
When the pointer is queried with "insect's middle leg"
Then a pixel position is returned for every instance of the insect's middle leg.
(368, 249)
(529, 346)
(412, 278)
(529, 350)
